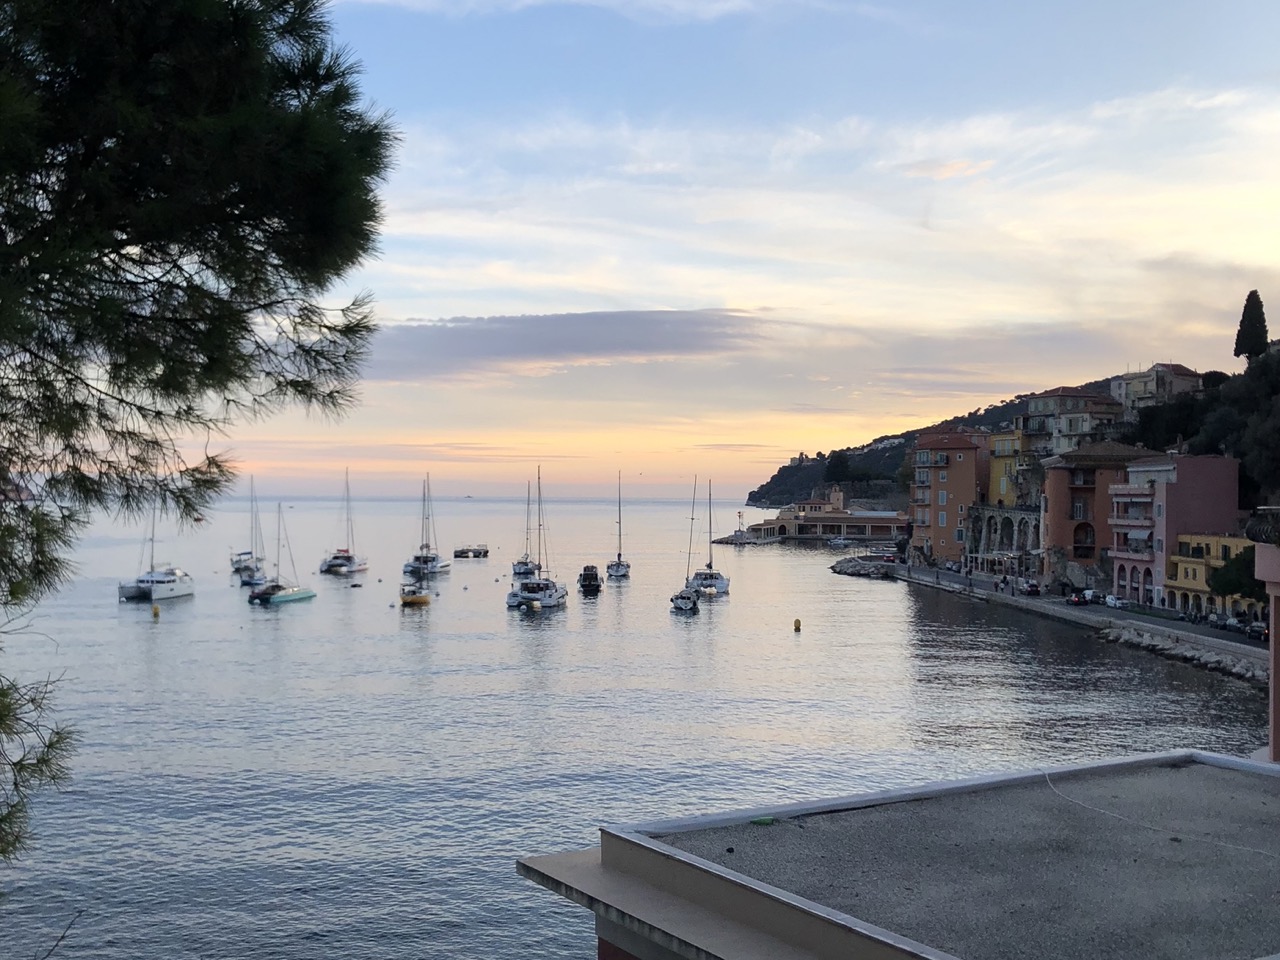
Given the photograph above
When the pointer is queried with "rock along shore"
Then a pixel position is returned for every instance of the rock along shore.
(1250, 664)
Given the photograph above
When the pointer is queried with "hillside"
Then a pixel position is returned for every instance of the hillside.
(873, 467)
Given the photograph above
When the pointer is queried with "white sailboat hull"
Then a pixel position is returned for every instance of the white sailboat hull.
(545, 593)
(158, 585)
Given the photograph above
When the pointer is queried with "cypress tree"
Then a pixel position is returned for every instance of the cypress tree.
(1251, 337)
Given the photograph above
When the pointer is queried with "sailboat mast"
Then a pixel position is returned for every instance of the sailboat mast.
(279, 527)
(693, 518)
(425, 539)
(540, 517)
(619, 516)
(154, 508)
(710, 560)
(351, 528)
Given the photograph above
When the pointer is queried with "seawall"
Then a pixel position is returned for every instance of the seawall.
(1251, 664)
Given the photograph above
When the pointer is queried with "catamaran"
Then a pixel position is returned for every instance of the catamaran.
(159, 581)
(534, 593)
(619, 568)
(344, 561)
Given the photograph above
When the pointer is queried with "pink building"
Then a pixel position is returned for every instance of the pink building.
(1162, 497)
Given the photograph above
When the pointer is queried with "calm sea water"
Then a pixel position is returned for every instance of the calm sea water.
(343, 778)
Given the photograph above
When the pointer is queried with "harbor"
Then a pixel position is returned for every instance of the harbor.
(349, 777)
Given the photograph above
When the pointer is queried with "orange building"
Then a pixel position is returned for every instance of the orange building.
(952, 470)
(1076, 510)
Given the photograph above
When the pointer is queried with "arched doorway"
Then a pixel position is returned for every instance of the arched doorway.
(1082, 541)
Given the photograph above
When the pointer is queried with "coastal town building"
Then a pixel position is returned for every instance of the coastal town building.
(1159, 499)
(1195, 557)
(1076, 509)
(819, 519)
(951, 475)
(1160, 383)
(1064, 418)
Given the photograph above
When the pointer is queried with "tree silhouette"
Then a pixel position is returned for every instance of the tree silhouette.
(1251, 337)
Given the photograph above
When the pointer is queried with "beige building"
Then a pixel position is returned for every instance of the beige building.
(1064, 418)
(1159, 384)
(816, 519)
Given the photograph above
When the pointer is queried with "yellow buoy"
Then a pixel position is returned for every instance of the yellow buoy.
(155, 611)
(797, 625)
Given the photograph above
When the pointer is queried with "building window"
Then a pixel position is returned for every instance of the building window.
(922, 476)
(1159, 545)
(959, 457)
(942, 476)
(1226, 552)
(959, 534)
(961, 511)
(942, 518)
(1004, 485)
(922, 456)
(1159, 509)
(1195, 574)
(942, 498)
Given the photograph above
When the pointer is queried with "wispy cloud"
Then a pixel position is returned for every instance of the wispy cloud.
(662, 11)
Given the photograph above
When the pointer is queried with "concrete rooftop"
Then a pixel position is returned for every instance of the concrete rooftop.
(1172, 856)
(1171, 861)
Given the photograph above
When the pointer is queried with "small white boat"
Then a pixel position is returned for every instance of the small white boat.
(685, 600)
(344, 561)
(426, 562)
(537, 593)
(476, 551)
(708, 579)
(542, 591)
(618, 569)
(415, 594)
(161, 581)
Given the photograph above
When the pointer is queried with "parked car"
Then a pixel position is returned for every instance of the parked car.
(1078, 600)
(1119, 603)
(1233, 624)
(1093, 596)
(1032, 589)
(1258, 630)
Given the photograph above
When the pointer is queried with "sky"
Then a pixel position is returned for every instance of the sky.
(668, 237)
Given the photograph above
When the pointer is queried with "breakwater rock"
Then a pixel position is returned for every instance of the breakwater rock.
(1250, 670)
(857, 567)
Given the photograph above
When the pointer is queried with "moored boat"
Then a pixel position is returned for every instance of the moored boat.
(278, 590)
(708, 579)
(589, 581)
(536, 593)
(619, 569)
(160, 581)
(344, 561)
(685, 599)
(427, 561)
(526, 566)
(471, 552)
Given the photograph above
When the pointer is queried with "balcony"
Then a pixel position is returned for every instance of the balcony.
(1130, 490)
(1126, 551)
(1131, 520)
(941, 459)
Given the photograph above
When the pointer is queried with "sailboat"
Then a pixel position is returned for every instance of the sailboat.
(158, 582)
(344, 561)
(619, 568)
(686, 598)
(534, 593)
(278, 590)
(426, 561)
(525, 566)
(247, 561)
(709, 579)
(250, 569)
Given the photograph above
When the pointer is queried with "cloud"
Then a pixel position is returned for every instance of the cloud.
(537, 345)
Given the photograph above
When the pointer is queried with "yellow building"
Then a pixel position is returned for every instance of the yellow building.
(1009, 451)
(1187, 579)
